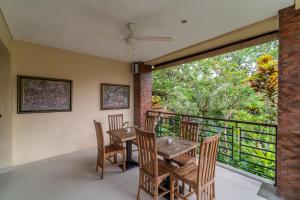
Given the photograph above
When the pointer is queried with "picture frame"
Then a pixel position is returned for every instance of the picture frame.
(114, 96)
(43, 94)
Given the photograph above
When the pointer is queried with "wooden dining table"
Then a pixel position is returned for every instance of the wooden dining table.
(165, 150)
(126, 135)
(175, 148)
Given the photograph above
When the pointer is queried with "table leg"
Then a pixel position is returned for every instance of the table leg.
(129, 162)
(167, 184)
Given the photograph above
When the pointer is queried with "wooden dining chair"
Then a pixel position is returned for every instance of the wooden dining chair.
(106, 152)
(152, 171)
(115, 122)
(188, 131)
(149, 126)
(201, 178)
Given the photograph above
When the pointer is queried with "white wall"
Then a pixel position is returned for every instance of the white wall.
(5, 108)
(42, 135)
(5, 95)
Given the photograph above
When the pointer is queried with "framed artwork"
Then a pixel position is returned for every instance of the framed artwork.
(114, 96)
(39, 95)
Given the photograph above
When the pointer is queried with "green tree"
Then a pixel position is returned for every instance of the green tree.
(217, 86)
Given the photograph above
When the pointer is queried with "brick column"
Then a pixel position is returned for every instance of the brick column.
(288, 143)
(142, 93)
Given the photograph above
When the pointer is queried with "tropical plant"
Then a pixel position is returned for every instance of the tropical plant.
(265, 79)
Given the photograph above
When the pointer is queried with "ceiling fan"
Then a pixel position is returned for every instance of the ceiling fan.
(131, 38)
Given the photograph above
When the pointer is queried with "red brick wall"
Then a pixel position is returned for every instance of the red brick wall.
(142, 93)
(288, 177)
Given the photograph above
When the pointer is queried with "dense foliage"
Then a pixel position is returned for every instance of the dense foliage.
(222, 86)
(240, 85)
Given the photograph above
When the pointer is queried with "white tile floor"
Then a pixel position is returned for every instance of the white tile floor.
(73, 177)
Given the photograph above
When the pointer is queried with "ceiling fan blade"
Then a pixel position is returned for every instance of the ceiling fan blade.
(109, 35)
(149, 38)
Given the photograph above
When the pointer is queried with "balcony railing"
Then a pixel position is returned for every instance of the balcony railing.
(244, 145)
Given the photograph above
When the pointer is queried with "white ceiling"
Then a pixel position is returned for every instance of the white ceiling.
(95, 27)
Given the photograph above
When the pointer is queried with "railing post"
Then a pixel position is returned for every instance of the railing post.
(158, 127)
(236, 133)
(239, 142)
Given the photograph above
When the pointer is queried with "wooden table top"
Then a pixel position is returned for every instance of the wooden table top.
(122, 135)
(168, 151)
(176, 148)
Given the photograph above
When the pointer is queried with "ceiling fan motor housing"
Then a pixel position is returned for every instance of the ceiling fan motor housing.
(130, 40)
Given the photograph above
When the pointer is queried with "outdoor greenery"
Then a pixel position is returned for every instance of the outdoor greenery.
(240, 85)
(221, 86)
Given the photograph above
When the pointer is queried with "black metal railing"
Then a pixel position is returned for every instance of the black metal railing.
(244, 145)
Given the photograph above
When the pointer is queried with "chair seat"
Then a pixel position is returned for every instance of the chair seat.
(187, 174)
(164, 169)
(134, 141)
(113, 149)
(183, 159)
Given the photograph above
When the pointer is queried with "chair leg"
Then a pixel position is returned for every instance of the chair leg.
(198, 196)
(183, 188)
(102, 172)
(139, 190)
(177, 187)
(155, 197)
(124, 162)
(97, 165)
(172, 187)
(213, 194)
(115, 159)
(139, 194)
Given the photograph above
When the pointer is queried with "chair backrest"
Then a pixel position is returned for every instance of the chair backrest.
(149, 123)
(189, 131)
(115, 121)
(207, 160)
(147, 152)
(100, 136)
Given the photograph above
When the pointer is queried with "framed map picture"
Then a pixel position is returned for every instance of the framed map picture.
(114, 96)
(39, 94)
